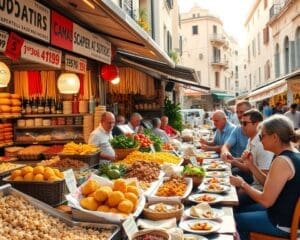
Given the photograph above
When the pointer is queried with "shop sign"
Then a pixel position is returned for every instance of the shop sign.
(13, 46)
(70, 36)
(295, 86)
(3, 40)
(26, 16)
(75, 64)
(40, 54)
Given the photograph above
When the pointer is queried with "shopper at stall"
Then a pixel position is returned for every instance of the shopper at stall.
(173, 133)
(281, 189)
(237, 142)
(255, 160)
(120, 120)
(135, 122)
(294, 115)
(224, 129)
(156, 123)
(102, 135)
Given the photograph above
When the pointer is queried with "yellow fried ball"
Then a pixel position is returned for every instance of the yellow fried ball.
(115, 198)
(125, 206)
(89, 203)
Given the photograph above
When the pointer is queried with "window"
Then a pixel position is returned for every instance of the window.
(253, 48)
(217, 55)
(194, 15)
(277, 61)
(195, 30)
(128, 7)
(250, 82)
(199, 75)
(217, 79)
(267, 70)
(170, 4)
(226, 87)
(236, 72)
(180, 45)
(266, 35)
(259, 76)
(215, 29)
(265, 4)
(258, 43)
(286, 55)
(292, 56)
(169, 42)
(249, 53)
(298, 47)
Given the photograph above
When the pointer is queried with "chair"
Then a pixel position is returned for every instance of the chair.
(294, 228)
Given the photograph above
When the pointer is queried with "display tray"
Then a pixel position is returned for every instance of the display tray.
(9, 190)
(91, 159)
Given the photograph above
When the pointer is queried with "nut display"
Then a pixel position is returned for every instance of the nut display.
(143, 171)
(20, 220)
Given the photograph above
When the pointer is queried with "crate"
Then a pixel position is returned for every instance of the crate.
(51, 193)
(91, 159)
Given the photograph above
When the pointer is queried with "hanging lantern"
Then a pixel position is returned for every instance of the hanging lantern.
(68, 83)
(109, 72)
(115, 81)
(4, 75)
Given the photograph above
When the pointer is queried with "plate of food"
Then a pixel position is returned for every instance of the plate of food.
(209, 161)
(215, 188)
(224, 181)
(216, 167)
(218, 174)
(207, 155)
(200, 226)
(205, 197)
(190, 236)
(203, 211)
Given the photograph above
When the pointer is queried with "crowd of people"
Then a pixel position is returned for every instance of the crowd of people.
(259, 145)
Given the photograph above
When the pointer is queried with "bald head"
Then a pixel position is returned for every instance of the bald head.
(108, 121)
(219, 119)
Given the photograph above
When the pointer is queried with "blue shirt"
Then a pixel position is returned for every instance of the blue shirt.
(237, 141)
(222, 135)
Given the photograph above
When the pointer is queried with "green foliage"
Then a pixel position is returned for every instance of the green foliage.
(172, 110)
(122, 141)
(142, 20)
(193, 170)
(174, 56)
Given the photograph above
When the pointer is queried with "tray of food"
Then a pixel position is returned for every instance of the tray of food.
(6, 168)
(39, 221)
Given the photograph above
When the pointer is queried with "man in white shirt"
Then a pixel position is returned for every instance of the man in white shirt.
(294, 115)
(135, 122)
(102, 135)
(255, 159)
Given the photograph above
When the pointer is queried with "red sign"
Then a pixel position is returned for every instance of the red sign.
(61, 31)
(14, 46)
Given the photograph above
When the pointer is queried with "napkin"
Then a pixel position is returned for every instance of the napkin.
(165, 224)
(201, 210)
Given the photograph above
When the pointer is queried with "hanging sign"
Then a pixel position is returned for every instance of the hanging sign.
(13, 46)
(26, 16)
(75, 64)
(40, 54)
(72, 37)
(3, 40)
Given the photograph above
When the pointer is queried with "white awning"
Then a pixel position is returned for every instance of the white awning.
(268, 91)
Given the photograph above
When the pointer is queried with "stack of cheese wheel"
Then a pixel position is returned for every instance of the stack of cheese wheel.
(10, 105)
(6, 133)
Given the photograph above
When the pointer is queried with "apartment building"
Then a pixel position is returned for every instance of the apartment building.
(211, 52)
(273, 51)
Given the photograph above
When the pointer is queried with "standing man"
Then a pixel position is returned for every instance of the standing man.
(255, 160)
(224, 129)
(102, 135)
(294, 115)
(237, 142)
(173, 133)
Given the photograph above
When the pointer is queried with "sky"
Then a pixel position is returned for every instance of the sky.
(233, 13)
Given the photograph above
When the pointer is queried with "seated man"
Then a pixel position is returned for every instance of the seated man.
(159, 132)
(171, 132)
(224, 129)
(102, 135)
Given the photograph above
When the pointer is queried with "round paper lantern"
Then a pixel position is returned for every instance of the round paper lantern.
(109, 72)
(68, 83)
(4, 75)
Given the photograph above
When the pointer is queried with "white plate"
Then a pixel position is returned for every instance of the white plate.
(193, 237)
(217, 213)
(210, 161)
(216, 174)
(207, 155)
(185, 225)
(224, 181)
(216, 198)
(216, 167)
(223, 188)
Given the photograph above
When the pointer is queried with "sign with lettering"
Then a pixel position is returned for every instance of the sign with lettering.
(70, 36)
(13, 46)
(3, 40)
(75, 64)
(70, 180)
(26, 16)
(40, 54)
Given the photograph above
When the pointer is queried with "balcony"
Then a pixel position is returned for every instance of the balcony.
(219, 63)
(217, 40)
(278, 8)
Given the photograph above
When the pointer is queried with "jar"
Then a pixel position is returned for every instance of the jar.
(38, 122)
(69, 121)
(46, 122)
(54, 121)
(75, 105)
(61, 121)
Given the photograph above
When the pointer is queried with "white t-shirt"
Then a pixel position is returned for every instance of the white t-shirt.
(262, 158)
(295, 118)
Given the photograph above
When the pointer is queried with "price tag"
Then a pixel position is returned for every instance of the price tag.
(70, 180)
(14, 46)
(130, 226)
(152, 149)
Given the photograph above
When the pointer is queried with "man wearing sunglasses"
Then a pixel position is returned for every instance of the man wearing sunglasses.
(254, 160)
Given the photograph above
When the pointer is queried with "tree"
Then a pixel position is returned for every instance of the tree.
(172, 110)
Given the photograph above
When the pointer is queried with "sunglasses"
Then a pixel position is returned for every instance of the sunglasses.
(244, 123)
(261, 136)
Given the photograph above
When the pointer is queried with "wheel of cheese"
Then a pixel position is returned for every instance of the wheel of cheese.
(15, 102)
(4, 95)
(15, 109)
(15, 96)
(5, 101)
(5, 109)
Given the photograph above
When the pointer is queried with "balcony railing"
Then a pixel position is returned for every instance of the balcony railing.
(218, 39)
(276, 8)
(217, 62)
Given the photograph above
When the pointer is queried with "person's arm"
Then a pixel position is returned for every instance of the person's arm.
(225, 151)
(107, 157)
(258, 173)
(280, 172)
(211, 148)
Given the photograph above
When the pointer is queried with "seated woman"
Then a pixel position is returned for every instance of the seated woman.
(281, 190)
(159, 132)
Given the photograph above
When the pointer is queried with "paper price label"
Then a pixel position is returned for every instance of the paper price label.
(130, 226)
(70, 180)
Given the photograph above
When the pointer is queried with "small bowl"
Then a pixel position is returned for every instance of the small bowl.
(153, 232)
(153, 215)
(197, 180)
